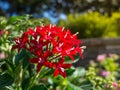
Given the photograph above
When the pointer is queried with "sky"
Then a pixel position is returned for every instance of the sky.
(47, 14)
(53, 19)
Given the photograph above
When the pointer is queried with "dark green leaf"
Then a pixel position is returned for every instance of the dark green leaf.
(4, 67)
(25, 83)
(50, 72)
(10, 65)
(70, 71)
(23, 55)
(5, 80)
(38, 87)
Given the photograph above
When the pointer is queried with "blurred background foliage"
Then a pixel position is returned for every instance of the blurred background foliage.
(93, 24)
(91, 18)
(56, 7)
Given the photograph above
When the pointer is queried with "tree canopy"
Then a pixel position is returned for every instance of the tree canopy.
(37, 7)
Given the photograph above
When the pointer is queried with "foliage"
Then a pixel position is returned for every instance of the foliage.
(105, 73)
(112, 29)
(93, 24)
(15, 70)
(17, 73)
(37, 7)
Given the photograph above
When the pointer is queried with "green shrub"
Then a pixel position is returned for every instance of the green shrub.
(113, 26)
(93, 24)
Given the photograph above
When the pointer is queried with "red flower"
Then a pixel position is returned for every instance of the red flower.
(50, 45)
(41, 62)
(59, 68)
(1, 32)
(20, 42)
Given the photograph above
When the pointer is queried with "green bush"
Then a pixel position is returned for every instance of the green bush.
(93, 24)
(113, 26)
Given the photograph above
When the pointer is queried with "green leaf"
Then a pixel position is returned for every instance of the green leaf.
(8, 88)
(10, 65)
(74, 87)
(25, 83)
(13, 19)
(87, 86)
(18, 74)
(68, 59)
(49, 72)
(1, 62)
(4, 67)
(69, 87)
(23, 55)
(70, 71)
(5, 80)
(79, 72)
(38, 87)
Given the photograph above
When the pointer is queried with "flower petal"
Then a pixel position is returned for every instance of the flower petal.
(30, 31)
(62, 72)
(66, 65)
(34, 60)
(39, 66)
(14, 47)
(56, 72)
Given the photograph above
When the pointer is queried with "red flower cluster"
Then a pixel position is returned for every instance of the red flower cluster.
(50, 45)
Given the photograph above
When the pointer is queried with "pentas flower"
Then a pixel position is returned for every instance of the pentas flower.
(2, 55)
(59, 67)
(101, 57)
(1, 32)
(105, 73)
(20, 42)
(50, 45)
(116, 86)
